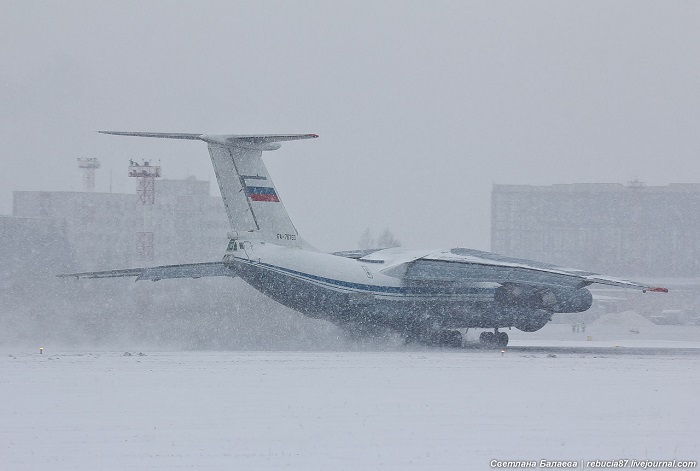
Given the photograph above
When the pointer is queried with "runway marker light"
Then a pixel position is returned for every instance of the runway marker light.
(41, 350)
(502, 352)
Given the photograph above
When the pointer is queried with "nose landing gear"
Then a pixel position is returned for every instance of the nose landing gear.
(493, 339)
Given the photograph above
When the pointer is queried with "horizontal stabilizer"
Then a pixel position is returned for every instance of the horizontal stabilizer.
(190, 270)
(232, 140)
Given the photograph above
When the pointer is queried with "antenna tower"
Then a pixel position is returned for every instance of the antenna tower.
(146, 173)
(89, 165)
(146, 189)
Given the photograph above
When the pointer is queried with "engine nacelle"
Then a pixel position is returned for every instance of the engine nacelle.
(573, 300)
(532, 321)
(553, 300)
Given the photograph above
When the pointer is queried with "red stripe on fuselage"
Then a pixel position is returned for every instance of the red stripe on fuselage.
(263, 197)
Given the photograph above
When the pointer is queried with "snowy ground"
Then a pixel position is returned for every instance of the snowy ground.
(615, 330)
(401, 409)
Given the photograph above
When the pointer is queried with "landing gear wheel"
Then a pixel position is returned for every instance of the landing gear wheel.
(487, 339)
(493, 339)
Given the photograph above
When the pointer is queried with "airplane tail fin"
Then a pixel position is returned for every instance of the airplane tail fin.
(250, 197)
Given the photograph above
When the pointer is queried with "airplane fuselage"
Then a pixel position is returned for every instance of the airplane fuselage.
(355, 293)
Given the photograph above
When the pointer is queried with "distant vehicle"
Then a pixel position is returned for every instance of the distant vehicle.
(424, 295)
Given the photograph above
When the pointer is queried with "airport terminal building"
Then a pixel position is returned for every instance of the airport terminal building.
(631, 230)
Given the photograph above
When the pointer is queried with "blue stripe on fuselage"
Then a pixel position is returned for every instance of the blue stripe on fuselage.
(401, 290)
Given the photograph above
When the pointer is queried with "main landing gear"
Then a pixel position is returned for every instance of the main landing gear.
(493, 339)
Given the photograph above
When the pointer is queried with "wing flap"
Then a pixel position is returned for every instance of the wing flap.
(604, 280)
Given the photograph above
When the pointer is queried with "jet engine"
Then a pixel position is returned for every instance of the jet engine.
(550, 299)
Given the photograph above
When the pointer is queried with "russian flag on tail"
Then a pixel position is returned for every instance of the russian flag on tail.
(262, 193)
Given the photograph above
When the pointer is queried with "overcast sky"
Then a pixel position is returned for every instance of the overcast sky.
(420, 106)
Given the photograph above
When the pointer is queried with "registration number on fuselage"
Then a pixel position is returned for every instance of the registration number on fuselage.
(286, 237)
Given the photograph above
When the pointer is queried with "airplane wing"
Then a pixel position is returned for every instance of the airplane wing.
(476, 266)
(190, 270)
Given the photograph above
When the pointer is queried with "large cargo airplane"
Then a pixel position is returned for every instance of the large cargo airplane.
(426, 296)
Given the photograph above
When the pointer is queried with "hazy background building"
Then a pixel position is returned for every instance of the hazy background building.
(105, 230)
(31, 249)
(629, 230)
(52, 232)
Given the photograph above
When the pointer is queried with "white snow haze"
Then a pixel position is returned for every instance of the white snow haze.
(420, 108)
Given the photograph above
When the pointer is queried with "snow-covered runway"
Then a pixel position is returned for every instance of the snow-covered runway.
(343, 410)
